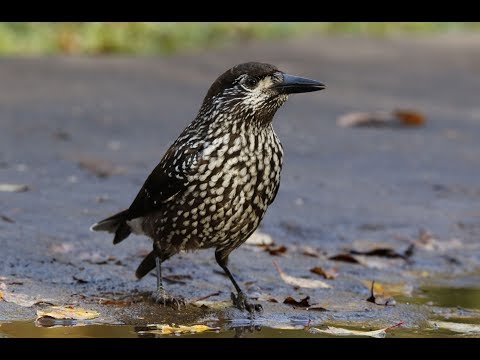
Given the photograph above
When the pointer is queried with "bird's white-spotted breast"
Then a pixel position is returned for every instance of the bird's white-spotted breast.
(236, 178)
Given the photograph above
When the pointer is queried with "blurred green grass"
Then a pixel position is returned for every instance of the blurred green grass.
(29, 38)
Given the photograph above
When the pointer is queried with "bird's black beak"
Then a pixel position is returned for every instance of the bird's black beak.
(295, 84)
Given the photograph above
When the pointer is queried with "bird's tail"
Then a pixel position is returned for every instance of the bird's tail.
(115, 224)
(146, 266)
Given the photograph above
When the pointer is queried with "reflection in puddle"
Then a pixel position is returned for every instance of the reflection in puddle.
(28, 329)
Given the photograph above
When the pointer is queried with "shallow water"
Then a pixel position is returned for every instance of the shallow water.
(463, 301)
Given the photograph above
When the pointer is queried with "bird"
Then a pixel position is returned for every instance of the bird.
(215, 182)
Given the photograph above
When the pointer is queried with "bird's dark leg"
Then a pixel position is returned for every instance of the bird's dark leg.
(239, 300)
(161, 296)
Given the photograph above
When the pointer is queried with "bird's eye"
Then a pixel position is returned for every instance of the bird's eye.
(251, 82)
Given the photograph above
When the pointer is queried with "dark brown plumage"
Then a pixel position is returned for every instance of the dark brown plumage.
(214, 184)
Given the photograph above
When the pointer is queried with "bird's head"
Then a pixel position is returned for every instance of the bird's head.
(254, 91)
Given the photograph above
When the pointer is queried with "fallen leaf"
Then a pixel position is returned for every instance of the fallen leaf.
(327, 274)
(399, 117)
(276, 250)
(259, 239)
(373, 262)
(380, 300)
(409, 117)
(302, 303)
(100, 168)
(1, 294)
(6, 219)
(382, 252)
(345, 258)
(457, 327)
(300, 282)
(13, 187)
(61, 312)
(180, 329)
(23, 299)
(346, 332)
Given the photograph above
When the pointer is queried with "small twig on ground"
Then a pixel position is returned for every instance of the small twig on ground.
(396, 325)
(206, 296)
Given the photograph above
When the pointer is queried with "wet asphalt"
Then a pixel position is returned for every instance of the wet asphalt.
(83, 133)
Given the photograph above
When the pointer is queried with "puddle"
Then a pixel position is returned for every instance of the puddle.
(464, 297)
(443, 304)
(28, 329)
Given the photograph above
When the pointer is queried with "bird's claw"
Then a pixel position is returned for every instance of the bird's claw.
(241, 302)
(160, 296)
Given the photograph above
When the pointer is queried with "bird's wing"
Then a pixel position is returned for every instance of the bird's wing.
(167, 180)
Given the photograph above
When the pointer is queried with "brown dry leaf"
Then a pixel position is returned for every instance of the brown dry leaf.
(259, 239)
(385, 289)
(373, 262)
(13, 187)
(300, 282)
(276, 250)
(302, 303)
(382, 252)
(6, 219)
(456, 327)
(409, 117)
(163, 329)
(345, 258)
(399, 117)
(100, 168)
(346, 332)
(65, 312)
(1, 294)
(327, 274)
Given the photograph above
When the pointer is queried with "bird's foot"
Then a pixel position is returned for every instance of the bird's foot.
(241, 302)
(160, 296)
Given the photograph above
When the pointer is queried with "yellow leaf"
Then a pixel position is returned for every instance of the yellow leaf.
(300, 282)
(1, 295)
(59, 312)
(164, 329)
